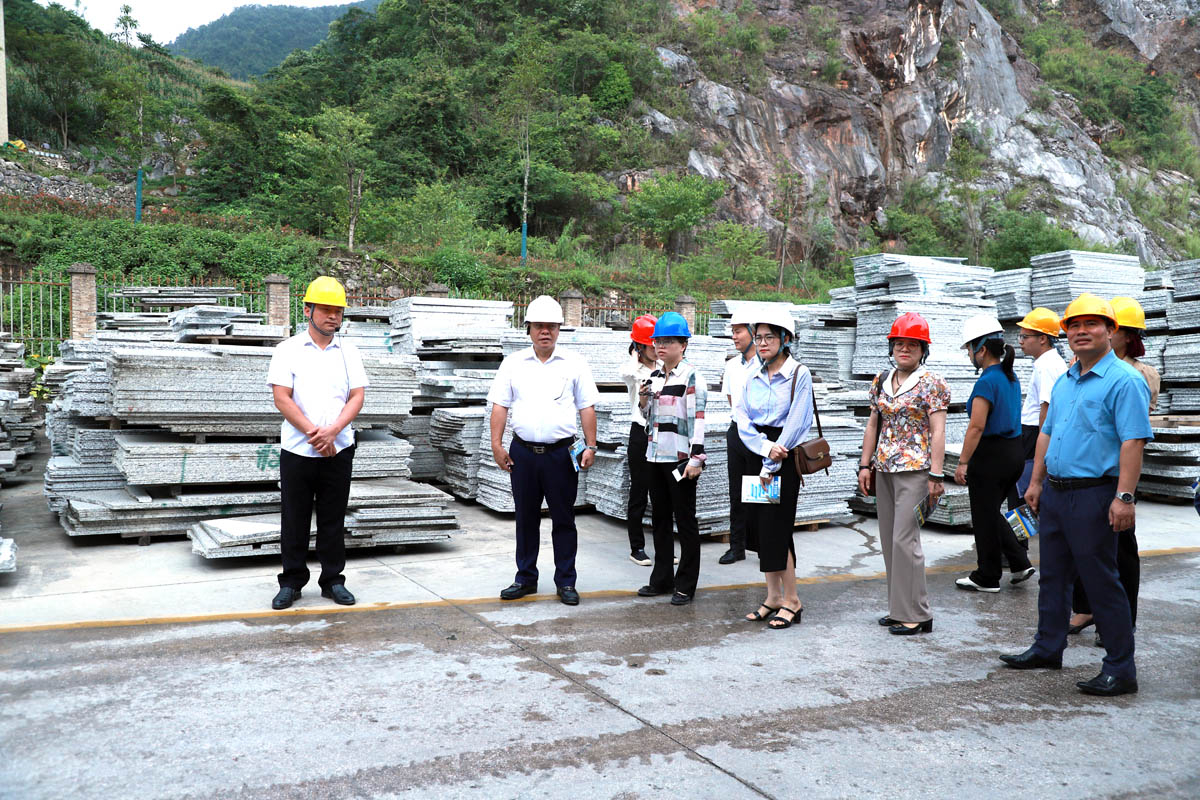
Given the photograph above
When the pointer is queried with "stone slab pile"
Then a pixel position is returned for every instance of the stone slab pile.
(425, 462)
(83, 464)
(456, 433)
(1171, 462)
(441, 325)
(229, 324)
(380, 512)
(14, 375)
(19, 421)
(8, 555)
(1010, 290)
(156, 324)
(176, 296)
(1058, 278)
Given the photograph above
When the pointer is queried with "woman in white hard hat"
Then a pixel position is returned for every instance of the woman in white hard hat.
(773, 416)
(992, 457)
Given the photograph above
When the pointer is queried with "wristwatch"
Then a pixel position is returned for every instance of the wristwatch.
(591, 447)
(1125, 497)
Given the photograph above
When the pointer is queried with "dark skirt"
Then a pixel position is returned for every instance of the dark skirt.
(769, 527)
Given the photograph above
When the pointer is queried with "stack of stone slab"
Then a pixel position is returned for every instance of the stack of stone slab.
(1058, 278)
(1010, 290)
(176, 296)
(494, 485)
(441, 325)
(154, 324)
(1156, 298)
(151, 459)
(18, 424)
(425, 461)
(1171, 462)
(14, 375)
(369, 328)
(226, 324)
(456, 433)
(448, 385)
(83, 464)
(1181, 349)
(954, 511)
(8, 555)
(380, 512)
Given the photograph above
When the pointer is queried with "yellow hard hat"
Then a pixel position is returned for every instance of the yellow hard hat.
(1129, 313)
(326, 291)
(1042, 320)
(1087, 304)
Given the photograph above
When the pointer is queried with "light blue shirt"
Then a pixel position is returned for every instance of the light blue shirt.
(1091, 415)
(769, 400)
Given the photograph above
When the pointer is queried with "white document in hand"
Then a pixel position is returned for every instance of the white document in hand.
(753, 490)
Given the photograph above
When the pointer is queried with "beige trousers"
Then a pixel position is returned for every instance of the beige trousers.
(897, 494)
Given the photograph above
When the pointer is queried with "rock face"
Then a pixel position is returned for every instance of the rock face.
(916, 73)
(15, 179)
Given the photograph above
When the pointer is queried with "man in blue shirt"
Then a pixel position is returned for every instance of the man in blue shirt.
(1089, 458)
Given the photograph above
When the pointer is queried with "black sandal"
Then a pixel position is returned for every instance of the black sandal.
(785, 623)
(758, 616)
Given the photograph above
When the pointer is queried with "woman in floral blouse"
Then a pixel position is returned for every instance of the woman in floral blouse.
(904, 443)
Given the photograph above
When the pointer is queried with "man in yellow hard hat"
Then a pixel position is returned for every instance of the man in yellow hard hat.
(1089, 458)
(319, 384)
(1039, 331)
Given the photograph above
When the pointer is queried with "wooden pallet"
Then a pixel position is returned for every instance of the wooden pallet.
(1175, 421)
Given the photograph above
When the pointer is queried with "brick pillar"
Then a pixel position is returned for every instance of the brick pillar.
(686, 306)
(83, 300)
(572, 305)
(437, 290)
(279, 300)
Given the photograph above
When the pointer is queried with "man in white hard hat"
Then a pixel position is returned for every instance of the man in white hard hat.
(542, 389)
(318, 383)
(737, 456)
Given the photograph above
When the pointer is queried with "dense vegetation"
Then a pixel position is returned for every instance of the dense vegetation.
(252, 39)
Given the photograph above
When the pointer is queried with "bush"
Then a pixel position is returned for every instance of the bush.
(459, 268)
(615, 92)
(1021, 236)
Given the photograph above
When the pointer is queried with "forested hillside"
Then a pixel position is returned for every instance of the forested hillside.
(252, 39)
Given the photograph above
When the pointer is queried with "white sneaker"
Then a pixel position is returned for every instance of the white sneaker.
(972, 586)
(676, 560)
(640, 558)
(1022, 576)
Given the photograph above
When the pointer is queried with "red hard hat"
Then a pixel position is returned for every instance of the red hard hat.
(643, 329)
(910, 326)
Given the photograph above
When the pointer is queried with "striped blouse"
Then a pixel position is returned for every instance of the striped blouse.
(675, 417)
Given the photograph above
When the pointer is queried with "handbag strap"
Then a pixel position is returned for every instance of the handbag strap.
(816, 413)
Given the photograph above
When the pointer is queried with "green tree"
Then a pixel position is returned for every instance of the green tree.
(346, 138)
(740, 248)
(126, 25)
(669, 207)
(615, 92)
(524, 95)
(964, 168)
(1021, 236)
(63, 72)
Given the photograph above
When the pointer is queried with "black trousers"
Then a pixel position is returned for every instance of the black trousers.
(639, 487)
(739, 461)
(669, 499)
(306, 484)
(1129, 570)
(995, 468)
(1078, 541)
(549, 476)
(1016, 498)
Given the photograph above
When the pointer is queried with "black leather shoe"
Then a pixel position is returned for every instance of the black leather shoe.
(568, 595)
(888, 621)
(900, 629)
(732, 555)
(285, 597)
(1107, 686)
(518, 590)
(339, 594)
(1031, 660)
(680, 599)
(650, 591)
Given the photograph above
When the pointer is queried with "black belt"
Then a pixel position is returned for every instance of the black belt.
(540, 448)
(1069, 484)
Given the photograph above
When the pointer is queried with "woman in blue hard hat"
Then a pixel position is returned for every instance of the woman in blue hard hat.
(773, 416)
(635, 372)
(992, 456)
(674, 403)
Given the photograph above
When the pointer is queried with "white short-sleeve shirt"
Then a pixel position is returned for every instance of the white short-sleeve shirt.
(1046, 370)
(736, 372)
(320, 381)
(544, 397)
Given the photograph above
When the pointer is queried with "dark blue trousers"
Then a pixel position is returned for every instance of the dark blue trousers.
(1076, 539)
(548, 476)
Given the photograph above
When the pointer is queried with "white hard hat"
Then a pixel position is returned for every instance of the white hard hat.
(742, 315)
(779, 316)
(981, 326)
(544, 308)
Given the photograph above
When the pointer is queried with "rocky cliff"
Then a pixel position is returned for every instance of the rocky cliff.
(915, 74)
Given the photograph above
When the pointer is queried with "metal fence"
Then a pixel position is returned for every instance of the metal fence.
(36, 313)
(622, 316)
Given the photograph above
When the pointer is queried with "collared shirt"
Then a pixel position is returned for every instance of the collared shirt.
(320, 380)
(543, 397)
(633, 372)
(675, 417)
(905, 438)
(782, 400)
(737, 369)
(1046, 370)
(1091, 415)
(1004, 397)
(1153, 379)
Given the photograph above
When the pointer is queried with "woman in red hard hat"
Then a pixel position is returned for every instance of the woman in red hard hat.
(636, 372)
(903, 448)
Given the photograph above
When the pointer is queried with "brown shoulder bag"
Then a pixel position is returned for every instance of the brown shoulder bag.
(814, 454)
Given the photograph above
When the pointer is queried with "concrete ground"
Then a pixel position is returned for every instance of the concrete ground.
(148, 669)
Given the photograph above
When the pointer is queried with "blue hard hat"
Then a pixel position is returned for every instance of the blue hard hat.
(671, 324)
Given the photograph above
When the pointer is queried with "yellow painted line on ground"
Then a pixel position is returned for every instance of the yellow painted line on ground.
(474, 601)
